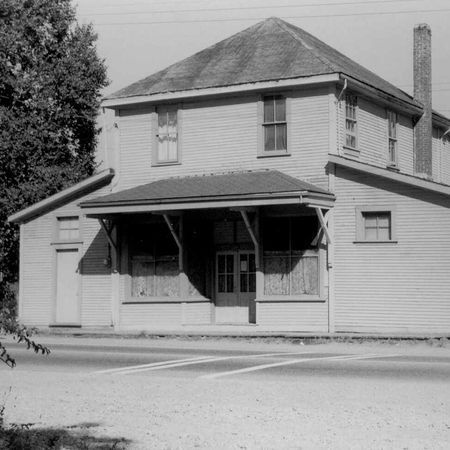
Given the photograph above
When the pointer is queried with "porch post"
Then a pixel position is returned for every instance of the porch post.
(260, 263)
(112, 237)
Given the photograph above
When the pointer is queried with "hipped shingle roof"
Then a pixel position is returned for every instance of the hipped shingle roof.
(268, 51)
(198, 187)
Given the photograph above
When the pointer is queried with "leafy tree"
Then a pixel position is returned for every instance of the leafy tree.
(50, 82)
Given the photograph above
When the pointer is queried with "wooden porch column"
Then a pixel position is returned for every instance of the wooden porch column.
(112, 237)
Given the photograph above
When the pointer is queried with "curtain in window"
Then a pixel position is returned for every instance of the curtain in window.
(167, 136)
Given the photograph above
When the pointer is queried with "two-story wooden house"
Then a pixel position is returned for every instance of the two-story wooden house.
(268, 179)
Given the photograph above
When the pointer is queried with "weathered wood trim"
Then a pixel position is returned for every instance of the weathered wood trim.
(215, 91)
(61, 197)
(390, 175)
(323, 224)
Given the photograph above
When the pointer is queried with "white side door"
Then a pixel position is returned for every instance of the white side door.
(67, 285)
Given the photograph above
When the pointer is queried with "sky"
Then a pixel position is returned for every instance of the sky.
(139, 37)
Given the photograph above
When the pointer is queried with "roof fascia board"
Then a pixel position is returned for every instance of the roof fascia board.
(394, 176)
(377, 94)
(117, 103)
(72, 192)
(128, 209)
(325, 200)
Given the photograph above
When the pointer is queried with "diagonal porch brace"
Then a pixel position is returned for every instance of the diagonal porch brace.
(177, 239)
(323, 223)
(320, 232)
(108, 231)
(252, 234)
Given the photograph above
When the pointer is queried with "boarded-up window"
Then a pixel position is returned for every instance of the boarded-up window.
(68, 228)
(291, 262)
(153, 258)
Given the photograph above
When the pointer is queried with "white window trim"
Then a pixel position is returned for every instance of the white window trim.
(359, 221)
(261, 152)
(392, 164)
(56, 230)
(164, 108)
(356, 120)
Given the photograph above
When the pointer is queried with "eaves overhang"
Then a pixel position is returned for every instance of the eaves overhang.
(306, 198)
(69, 194)
(213, 91)
(410, 180)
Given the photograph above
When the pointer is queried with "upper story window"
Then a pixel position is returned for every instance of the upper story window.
(68, 228)
(275, 125)
(351, 121)
(167, 147)
(392, 138)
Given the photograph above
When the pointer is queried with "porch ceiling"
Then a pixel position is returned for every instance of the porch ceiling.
(268, 187)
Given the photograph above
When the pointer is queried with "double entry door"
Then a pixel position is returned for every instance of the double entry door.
(235, 287)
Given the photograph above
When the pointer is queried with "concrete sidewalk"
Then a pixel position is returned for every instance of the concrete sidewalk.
(236, 331)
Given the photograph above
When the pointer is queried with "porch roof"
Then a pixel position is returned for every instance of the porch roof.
(251, 188)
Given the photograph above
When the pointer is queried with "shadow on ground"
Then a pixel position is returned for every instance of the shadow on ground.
(79, 437)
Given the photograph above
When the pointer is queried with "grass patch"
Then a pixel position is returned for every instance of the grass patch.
(75, 437)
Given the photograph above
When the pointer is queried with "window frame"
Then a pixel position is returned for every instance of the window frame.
(57, 239)
(261, 151)
(355, 120)
(318, 252)
(392, 138)
(166, 108)
(360, 223)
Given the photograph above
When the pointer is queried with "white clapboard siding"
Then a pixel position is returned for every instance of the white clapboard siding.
(221, 135)
(196, 313)
(445, 161)
(373, 136)
(141, 316)
(135, 147)
(38, 269)
(36, 289)
(402, 286)
(299, 316)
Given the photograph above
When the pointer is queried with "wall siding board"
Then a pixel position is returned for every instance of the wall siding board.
(221, 135)
(391, 287)
(37, 262)
(301, 316)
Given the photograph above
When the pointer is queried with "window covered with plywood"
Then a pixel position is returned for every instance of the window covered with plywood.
(291, 260)
(153, 261)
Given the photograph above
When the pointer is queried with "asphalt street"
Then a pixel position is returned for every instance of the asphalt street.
(217, 361)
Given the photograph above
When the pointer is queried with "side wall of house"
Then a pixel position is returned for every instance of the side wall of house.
(38, 268)
(388, 287)
(222, 135)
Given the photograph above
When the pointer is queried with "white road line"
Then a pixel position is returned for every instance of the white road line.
(161, 363)
(289, 362)
(187, 362)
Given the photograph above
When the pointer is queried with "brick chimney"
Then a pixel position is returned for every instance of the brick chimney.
(422, 93)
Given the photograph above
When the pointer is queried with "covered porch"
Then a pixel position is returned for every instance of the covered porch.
(219, 249)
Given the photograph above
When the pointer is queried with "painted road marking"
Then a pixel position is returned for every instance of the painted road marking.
(186, 362)
(290, 362)
(161, 363)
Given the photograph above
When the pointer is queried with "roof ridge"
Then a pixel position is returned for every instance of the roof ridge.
(283, 26)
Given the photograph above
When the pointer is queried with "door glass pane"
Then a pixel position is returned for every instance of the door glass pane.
(251, 264)
(230, 283)
(244, 283)
(251, 282)
(230, 263)
(221, 263)
(221, 282)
